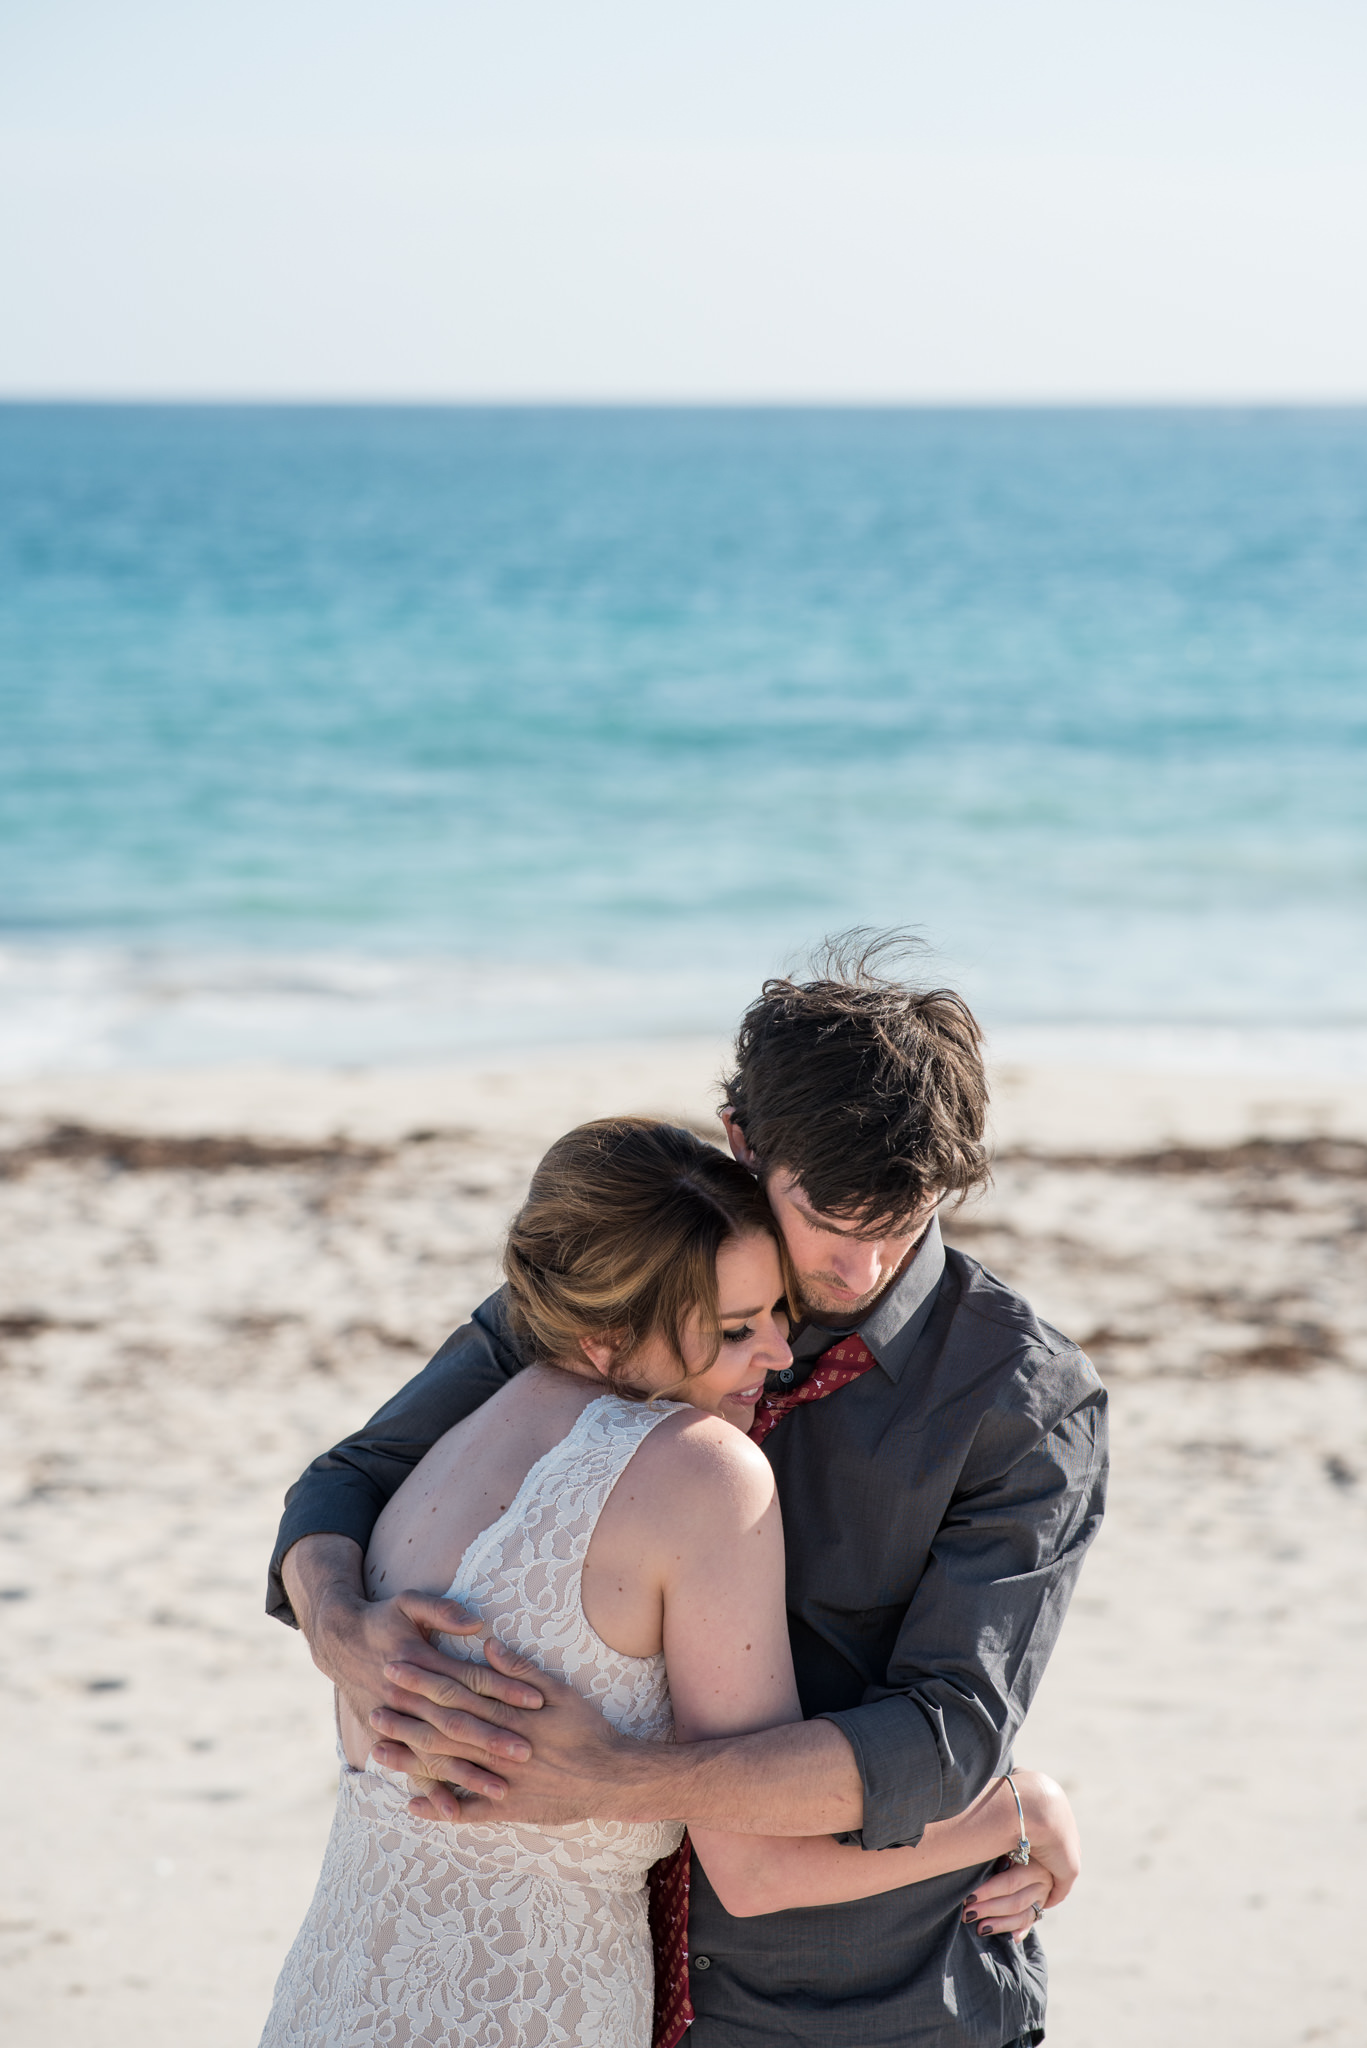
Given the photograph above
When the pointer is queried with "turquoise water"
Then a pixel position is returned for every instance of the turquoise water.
(374, 732)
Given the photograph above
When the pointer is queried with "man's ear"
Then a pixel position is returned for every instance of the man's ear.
(737, 1140)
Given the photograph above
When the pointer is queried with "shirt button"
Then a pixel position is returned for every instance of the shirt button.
(786, 1376)
(702, 1962)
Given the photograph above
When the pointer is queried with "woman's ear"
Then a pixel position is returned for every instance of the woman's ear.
(600, 1352)
(738, 1145)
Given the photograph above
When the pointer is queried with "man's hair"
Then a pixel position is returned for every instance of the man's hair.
(869, 1091)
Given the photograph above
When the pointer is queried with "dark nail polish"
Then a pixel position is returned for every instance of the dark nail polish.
(984, 1930)
(972, 1899)
(970, 1917)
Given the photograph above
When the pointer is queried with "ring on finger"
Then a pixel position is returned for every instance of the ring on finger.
(1037, 1909)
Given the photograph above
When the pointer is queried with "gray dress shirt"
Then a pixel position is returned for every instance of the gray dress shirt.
(936, 1512)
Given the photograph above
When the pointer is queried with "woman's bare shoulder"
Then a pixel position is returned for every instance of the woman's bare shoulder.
(701, 1458)
(537, 1394)
(518, 1423)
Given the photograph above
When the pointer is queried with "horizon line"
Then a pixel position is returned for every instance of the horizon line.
(473, 402)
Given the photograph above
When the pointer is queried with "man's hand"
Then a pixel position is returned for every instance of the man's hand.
(448, 1721)
(797, 1779)
(352, 1639)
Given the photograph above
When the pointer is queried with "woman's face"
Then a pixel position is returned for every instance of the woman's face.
(753, 1321)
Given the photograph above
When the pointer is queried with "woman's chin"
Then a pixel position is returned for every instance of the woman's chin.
(740, 1408)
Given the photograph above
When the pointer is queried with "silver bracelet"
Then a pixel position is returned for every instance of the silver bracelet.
(1021, 1852)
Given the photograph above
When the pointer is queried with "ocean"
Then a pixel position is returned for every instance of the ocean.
(351, 734)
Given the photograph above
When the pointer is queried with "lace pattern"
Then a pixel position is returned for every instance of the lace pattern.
(420, 1934)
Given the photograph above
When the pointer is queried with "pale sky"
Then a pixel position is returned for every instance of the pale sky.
(762, 199)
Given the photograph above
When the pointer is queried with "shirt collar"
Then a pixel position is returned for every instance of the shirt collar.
(894, 1323)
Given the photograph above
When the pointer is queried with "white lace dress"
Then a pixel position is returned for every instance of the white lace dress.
(497, 1937)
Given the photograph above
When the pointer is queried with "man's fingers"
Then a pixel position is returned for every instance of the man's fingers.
(445, 1689)
(438, 1802)
(430, 1806)
(515, 1666)
(438, 1734)
(399, 1727)
(509, 1676)
(398, 1757)
(553, 1691)
(464, 1715)
(441, 1801)
(447, 1617)
(440, 1688)
(459, 1733)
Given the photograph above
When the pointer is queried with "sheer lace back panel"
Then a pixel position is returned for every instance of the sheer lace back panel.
(523, 1575)
(421, 1933)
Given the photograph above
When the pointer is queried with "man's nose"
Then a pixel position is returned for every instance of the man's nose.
(857, 1265)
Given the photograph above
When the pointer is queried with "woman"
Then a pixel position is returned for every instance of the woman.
(606, 1513)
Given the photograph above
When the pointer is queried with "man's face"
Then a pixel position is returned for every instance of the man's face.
(842, 1267)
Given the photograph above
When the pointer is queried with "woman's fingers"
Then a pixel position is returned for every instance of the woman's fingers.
(1016, 1920)
(1014, 1904)
(1005, 1910)
(1014, 1929)
(992, 1909)
(1018, 1879)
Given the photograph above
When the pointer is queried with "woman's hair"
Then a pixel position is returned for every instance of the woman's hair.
(618, 1239)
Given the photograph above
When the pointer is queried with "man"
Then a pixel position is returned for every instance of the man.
(936, 1507)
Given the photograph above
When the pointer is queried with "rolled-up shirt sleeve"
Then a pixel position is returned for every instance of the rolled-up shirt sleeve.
(982, 1623)
(343, 1492)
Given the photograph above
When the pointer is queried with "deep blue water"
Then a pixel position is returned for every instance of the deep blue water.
(655, 697)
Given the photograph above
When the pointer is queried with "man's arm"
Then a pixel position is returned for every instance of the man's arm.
(343, 1492)
(800, 1779)
(983, 1622)
(921, 1747)
(316, 1571)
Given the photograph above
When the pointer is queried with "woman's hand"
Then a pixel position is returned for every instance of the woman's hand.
(1005, 1902)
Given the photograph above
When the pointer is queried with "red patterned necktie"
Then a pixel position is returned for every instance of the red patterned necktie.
(669, 1878)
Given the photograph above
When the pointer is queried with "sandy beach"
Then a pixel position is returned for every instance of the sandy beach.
(210, 1276)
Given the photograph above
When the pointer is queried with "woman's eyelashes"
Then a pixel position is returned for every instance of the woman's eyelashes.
(745, 1331)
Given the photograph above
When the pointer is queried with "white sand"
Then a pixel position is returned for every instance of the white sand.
(179, 1341)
